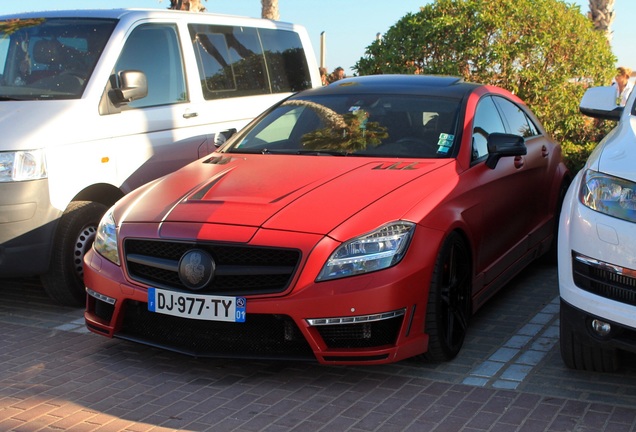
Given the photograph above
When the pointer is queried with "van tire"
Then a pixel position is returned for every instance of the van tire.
(74, 236)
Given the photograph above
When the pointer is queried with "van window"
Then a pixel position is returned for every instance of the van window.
(286, 61)
(50, 58)
(235, 61)
(154, 49)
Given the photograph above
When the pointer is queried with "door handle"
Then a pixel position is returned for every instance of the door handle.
(519, 162)
(190, 114)
(544, 151)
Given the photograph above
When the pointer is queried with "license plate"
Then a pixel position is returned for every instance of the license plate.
(196, 306)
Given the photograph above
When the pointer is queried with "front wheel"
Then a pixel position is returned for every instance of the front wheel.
(449, 303)
(64, 282)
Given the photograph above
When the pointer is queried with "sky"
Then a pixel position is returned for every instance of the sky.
(348, 26)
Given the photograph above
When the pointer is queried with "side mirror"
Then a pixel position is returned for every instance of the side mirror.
(600, 102)
(133, 85)
(221, 137)
(504, 145)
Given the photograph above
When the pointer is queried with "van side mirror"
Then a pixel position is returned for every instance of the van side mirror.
(504, 145)
(132, 85)
(600, 102)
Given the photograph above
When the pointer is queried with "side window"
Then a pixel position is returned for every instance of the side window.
(286, 61)
(518, 121)
(154, 49)
(487, 120)
(230, 61)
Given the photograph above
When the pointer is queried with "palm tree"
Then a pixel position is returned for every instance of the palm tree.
(602, 15)
(187, 5)
(270, 9)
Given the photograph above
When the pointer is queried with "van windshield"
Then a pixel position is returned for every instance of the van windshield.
(43, 58)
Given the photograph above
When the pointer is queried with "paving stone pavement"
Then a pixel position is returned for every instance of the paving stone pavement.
(56, 376)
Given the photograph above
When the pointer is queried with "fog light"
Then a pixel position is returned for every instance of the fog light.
(601, 328)
(101, 297)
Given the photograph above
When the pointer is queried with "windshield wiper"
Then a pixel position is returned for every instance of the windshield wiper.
(322, 152)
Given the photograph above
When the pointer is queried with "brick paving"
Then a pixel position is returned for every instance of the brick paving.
(55, 376)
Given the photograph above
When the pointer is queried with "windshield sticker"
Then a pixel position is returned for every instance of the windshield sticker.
(444, 143)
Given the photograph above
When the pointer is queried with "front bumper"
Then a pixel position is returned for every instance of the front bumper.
(580, 322)
(367, 319)
(27, 227)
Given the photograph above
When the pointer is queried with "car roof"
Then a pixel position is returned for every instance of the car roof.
(431, 85)
(116, 13)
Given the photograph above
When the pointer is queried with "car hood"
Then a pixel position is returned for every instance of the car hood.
(312, 194)
(616, 154)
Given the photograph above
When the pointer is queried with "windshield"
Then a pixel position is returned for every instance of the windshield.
(49, 58)
(392, 125)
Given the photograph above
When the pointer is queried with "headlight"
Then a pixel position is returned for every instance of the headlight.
(106, 239)
(22, 165)
(609, 195)
(370, 252)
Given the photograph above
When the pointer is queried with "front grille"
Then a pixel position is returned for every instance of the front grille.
(260, 336)
(362, 335)
(240, 270)
(605, 280)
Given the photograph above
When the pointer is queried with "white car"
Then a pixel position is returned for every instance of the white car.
(597, 244)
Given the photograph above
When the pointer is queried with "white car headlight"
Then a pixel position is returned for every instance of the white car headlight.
(370, 252)
(22, 165)
(612, 196)
(106, 238)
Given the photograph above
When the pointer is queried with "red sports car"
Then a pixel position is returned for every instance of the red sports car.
(358, 223)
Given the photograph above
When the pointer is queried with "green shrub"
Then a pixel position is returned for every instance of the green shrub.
(545, 51)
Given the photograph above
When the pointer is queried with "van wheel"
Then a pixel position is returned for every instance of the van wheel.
(584, 356)
(448, 309)
(75, 233)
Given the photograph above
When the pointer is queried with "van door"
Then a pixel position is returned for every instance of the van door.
(159, 133)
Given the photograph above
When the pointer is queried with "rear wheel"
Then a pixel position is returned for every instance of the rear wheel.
(585, 356)
(75, 234)
(448, 309)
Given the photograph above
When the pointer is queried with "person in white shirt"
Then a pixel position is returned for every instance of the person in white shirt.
(623, 85)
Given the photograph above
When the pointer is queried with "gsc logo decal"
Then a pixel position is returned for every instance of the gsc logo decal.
(398, 166)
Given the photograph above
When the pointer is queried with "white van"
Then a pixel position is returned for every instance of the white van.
(94, 103)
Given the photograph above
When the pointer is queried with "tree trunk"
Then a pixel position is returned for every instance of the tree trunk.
(187, 5)
(602, 15)
(270, 9)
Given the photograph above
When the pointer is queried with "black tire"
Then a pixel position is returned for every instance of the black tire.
(585, 356)
(449, 303)
(75, 234)
(551, 256)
